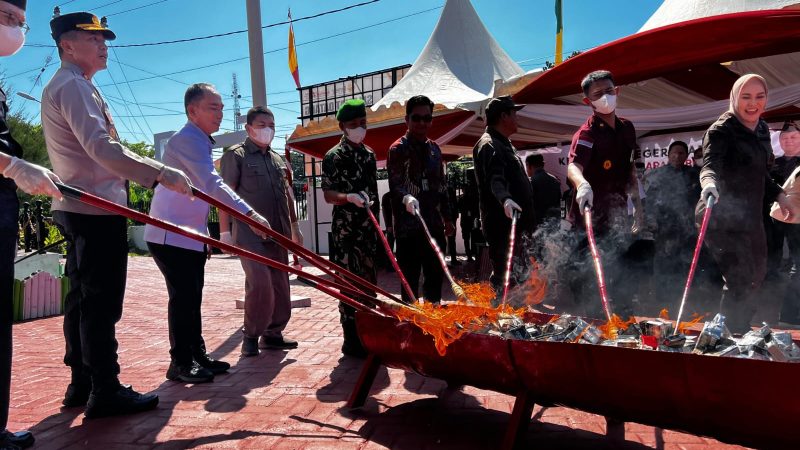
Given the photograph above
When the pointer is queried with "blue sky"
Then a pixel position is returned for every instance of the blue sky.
(392, 33)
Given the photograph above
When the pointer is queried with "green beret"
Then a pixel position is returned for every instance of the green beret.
(351, 109)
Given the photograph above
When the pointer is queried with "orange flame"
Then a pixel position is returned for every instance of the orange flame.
(610, 328)
(696, 318)
(537, 286)
(448, 323)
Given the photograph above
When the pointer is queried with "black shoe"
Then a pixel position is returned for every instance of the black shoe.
(277, 343)
(356, 351)
(216, 367)
(249, 346)
(77, 394)
(119, 401)
(20, 439)
(189, 373)
(7, 445)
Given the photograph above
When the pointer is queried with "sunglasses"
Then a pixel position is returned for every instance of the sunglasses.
(427, 118)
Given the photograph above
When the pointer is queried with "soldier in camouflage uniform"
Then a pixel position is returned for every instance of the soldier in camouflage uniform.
(348, 180)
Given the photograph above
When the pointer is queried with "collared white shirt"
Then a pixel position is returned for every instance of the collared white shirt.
(190, 151)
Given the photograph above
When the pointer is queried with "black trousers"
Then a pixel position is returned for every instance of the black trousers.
(8, 250)
(184, 272)
(97, 264)
(416, 256)
(451, 247)
(466, 235)
(742, 259)
(9, 214)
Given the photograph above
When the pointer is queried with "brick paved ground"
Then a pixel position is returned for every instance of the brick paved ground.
(280, 399)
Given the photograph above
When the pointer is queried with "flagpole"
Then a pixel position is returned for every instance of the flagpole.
(254, 35)
(559, 33)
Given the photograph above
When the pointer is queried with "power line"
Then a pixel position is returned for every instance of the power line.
(127, 108)
(284, 48)
(136, 102)
(198, 38)
(134, 9)
(103, 5)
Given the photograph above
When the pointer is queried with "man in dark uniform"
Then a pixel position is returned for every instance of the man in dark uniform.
(470, 212)
(672, 192)
(546, 190)
(31, 179)
(349, 182)
(503, 186)
(602, 173)
(417, 182)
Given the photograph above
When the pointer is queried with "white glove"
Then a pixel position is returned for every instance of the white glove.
(709, 191)
(358, 198)
(411, 204)
(584, 196)
(510, 206)
(261, 220)
(226, 238)
(175, 180)
(297, 235)
(33, 179)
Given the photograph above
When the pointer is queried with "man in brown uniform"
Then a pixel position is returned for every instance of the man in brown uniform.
(602, 173)
(258, 175)
(86, 153)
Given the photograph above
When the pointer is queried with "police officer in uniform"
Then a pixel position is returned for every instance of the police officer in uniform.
(349, 182)
(85, 150)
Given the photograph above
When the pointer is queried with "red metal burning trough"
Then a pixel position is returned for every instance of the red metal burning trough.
(741, 401)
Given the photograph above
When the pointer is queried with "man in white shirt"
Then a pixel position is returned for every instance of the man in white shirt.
(182, 260)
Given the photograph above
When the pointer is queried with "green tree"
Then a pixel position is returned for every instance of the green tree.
(139, 195)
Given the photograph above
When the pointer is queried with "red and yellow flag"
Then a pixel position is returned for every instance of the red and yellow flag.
(559, 33)
(293, 67)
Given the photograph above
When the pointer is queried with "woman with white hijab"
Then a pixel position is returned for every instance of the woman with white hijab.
(736, 149)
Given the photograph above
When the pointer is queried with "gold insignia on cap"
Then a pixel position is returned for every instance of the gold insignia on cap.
(607, 164)
(94, 26)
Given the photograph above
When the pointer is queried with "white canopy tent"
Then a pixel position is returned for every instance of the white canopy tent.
(674, 11)
(460, 64)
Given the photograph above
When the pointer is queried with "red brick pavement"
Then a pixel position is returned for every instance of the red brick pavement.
(280, 399)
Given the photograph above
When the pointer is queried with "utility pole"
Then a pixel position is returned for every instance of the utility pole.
(256, 45)
(237, 111)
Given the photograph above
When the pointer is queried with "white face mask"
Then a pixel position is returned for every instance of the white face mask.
(11, 40)
(355, 135)
(605, 104)
(263, 136)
